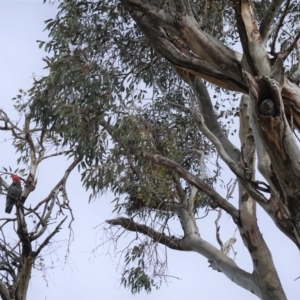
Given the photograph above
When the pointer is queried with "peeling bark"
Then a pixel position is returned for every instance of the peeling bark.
(276, 136)
(267, 119)
(209, 58)
(264, 269)
(23, 278)
(247, 156)
(254, 49)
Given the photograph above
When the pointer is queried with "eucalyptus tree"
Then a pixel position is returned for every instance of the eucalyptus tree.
(129, 87)
(28, 233)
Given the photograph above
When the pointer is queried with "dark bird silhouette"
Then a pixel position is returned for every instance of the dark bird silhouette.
(14, 192)
(267, 108)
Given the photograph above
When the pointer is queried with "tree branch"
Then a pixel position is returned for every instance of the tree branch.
(4, 292)
(280, 24)
(208, 53)
(287, 52)
(130, 225)
(217, 200)
(205, 106)
(269, 18)
(230, 163)
(192, 242)
(255, 53)
(183, 7)
(209, 58)
(57, 154)
(48, 238)
(61, 182)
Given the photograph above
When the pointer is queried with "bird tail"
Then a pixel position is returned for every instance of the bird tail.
(8, 209)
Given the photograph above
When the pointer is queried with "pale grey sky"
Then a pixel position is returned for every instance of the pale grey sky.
(86, 276)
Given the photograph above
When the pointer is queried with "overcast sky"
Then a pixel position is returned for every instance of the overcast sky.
(89, 275)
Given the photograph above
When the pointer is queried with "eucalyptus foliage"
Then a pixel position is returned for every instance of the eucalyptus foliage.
(124, 91)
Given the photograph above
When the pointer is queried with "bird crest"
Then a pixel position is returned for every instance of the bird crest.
(15, 178)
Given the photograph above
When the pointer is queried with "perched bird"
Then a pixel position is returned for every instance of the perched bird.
(14, 192)
(267, 108)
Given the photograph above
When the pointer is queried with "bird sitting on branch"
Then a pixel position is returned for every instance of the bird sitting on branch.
(14, 192)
